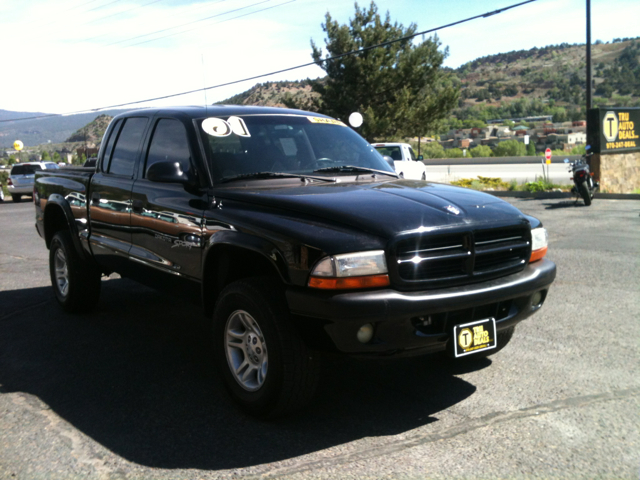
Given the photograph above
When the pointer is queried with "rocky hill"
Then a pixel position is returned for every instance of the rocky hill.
(540, 81)
(92, 133)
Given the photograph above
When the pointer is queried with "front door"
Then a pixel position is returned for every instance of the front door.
(166, 218)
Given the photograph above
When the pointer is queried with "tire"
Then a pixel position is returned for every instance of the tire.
(264, 364)
(1, 194)
(401, 175)
(76, 285)
(16, 198)
(583, 188)
(424, 176)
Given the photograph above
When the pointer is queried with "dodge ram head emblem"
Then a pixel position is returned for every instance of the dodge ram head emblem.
(452, 209)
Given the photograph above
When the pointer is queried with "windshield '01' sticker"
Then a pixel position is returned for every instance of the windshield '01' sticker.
(327, 121)
(218, 127)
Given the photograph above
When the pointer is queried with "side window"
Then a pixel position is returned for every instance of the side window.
(169, 143)
(124, 153)
(109, 146)
(412, 154)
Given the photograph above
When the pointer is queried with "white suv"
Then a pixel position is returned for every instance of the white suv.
(22, 176)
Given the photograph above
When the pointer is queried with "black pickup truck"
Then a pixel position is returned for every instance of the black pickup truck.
(298, 238)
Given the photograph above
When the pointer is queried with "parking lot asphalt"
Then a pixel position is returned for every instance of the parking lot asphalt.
(128, 391)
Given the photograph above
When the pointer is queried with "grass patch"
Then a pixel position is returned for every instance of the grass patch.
(497, 184)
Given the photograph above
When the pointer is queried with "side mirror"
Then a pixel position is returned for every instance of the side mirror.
(169, 172)
(420, 157)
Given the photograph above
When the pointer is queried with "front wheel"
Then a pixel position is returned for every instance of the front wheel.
(264, 364)
(583, 189)
(76, 285)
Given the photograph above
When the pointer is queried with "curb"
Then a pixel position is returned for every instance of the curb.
(547, 195)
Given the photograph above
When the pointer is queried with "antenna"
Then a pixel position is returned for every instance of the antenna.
(204, 83)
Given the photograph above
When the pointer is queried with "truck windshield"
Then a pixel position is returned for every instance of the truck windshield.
(295, 144)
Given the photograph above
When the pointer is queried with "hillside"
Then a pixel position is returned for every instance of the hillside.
(539, 81)
(55, 129)
(92, 133)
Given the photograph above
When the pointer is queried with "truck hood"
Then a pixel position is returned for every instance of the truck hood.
(384, 208)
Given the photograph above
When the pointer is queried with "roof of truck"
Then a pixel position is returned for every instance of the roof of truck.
(221, 110)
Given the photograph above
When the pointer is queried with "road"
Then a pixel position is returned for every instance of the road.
(127, 392)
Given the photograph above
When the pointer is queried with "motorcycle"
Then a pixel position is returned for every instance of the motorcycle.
(584, 185)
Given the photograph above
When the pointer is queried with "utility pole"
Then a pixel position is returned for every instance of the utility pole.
(589, 82)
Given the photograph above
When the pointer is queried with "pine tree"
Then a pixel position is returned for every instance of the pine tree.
(400, 89)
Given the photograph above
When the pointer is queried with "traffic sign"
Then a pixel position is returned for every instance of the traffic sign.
(547, 155)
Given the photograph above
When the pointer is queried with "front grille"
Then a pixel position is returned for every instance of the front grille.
(462, 257)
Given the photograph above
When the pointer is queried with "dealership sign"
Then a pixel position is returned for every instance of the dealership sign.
(613, 129)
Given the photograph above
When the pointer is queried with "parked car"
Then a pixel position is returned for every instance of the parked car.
(405, 161)
(22, 176)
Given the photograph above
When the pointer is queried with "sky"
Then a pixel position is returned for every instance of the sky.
(75, 55)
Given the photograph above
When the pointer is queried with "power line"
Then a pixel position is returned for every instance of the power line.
(328, 59)
(183, 25)
(222, 21)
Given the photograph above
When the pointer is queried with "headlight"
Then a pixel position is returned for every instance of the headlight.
(351, 270)
(539, 241)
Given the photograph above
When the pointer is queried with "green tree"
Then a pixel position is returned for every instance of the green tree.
(531, 149)
(45, 156)
(510, 148)
(400, 89)
(56, 157)
(453, 153)
(432, 150)
(481, 151)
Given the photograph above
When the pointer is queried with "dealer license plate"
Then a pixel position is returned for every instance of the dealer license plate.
(474, 337)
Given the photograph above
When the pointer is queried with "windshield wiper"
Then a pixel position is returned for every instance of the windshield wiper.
(353, 168)
(260, 175)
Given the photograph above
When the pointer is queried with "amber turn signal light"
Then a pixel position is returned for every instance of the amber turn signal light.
(344, 283)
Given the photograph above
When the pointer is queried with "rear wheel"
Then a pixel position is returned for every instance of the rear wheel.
(16, 197)
(76, 285)
(583, 188)
(424, 176)
(265, 365)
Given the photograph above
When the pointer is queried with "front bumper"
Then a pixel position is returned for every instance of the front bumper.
(416, 322)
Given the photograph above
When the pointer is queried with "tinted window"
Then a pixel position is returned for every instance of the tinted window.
(412, 154)
(25, 169)
(109, 147)
(126, 149)
(169, 143)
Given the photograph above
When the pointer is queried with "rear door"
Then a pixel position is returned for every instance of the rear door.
(110, 197)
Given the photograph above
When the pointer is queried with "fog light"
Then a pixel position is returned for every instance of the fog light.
(536, 299)
(365, 334)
